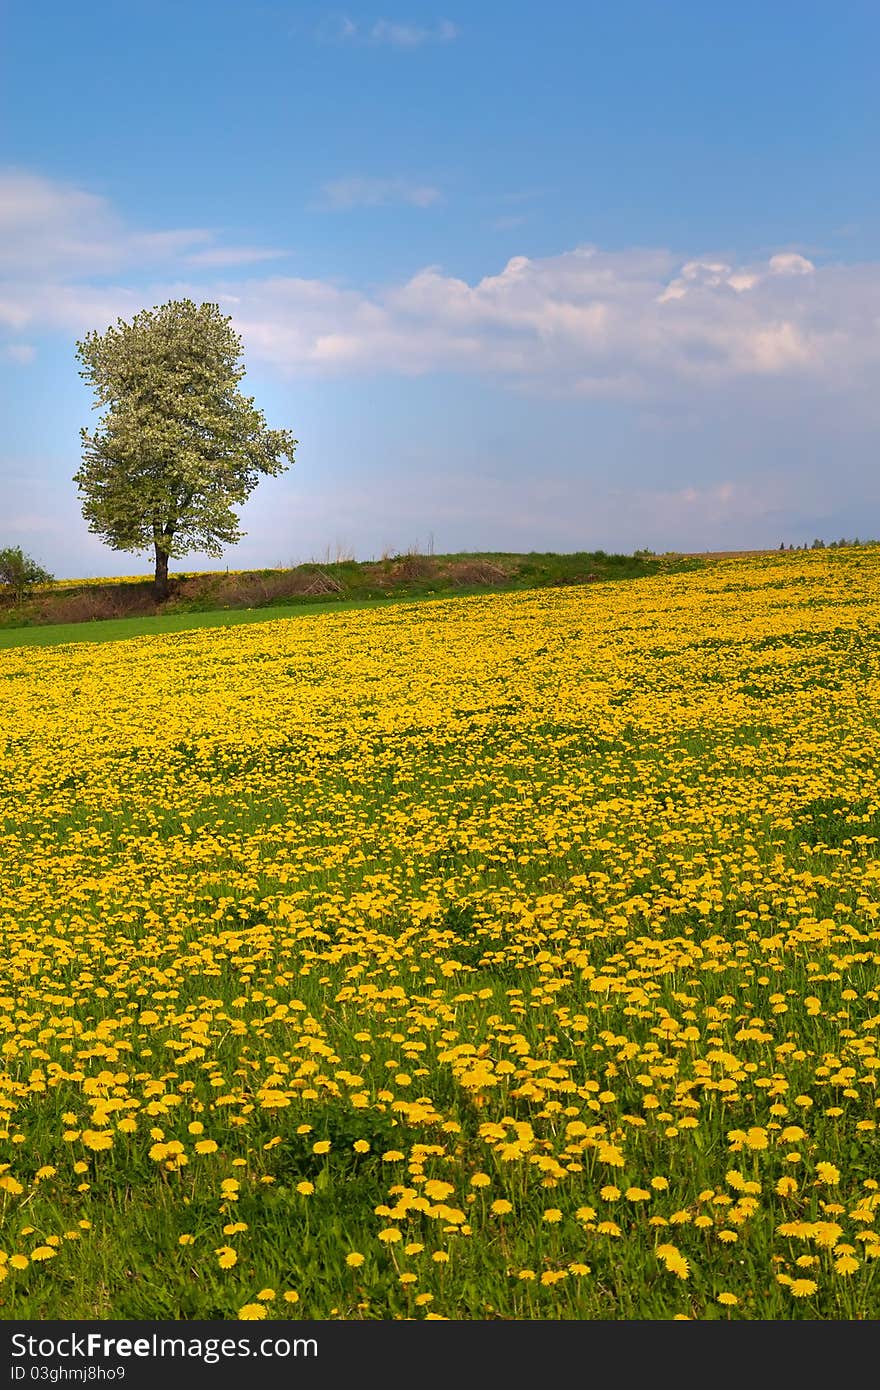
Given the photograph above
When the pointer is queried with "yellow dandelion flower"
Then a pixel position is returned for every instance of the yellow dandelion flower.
(828, 1174)
(826, 1233)
(803, 1288)
(437, 1190)
(97, 1139)
(610, 1154)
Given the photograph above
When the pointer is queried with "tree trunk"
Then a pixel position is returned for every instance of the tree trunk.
(161, 583)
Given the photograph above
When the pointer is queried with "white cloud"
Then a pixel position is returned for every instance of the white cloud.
(53, 228)
(412, 35)
(717, 274)
(585, 322)
(394, 33)
(342, 194)
(68, 308)
(789, 263)
(780, 346)
(636, 325)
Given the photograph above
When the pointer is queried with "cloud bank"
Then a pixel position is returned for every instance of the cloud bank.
(624, 324)
(632, 325)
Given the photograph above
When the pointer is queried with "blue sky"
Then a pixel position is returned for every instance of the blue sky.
(518, 276)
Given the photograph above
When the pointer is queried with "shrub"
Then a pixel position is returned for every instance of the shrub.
(19, 573)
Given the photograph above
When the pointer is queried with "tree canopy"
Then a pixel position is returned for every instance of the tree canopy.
(179, 445)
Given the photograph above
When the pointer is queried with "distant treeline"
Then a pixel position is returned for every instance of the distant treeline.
(823, 545)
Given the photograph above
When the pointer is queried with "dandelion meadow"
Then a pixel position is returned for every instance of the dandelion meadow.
(502, 957)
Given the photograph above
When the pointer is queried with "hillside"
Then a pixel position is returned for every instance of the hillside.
(343, 581)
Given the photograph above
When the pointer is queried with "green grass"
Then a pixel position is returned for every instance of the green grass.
(220, 599)
(118, 629)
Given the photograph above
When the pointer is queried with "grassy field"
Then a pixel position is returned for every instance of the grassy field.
(149, 625)
(329, 586)
(513, 957)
